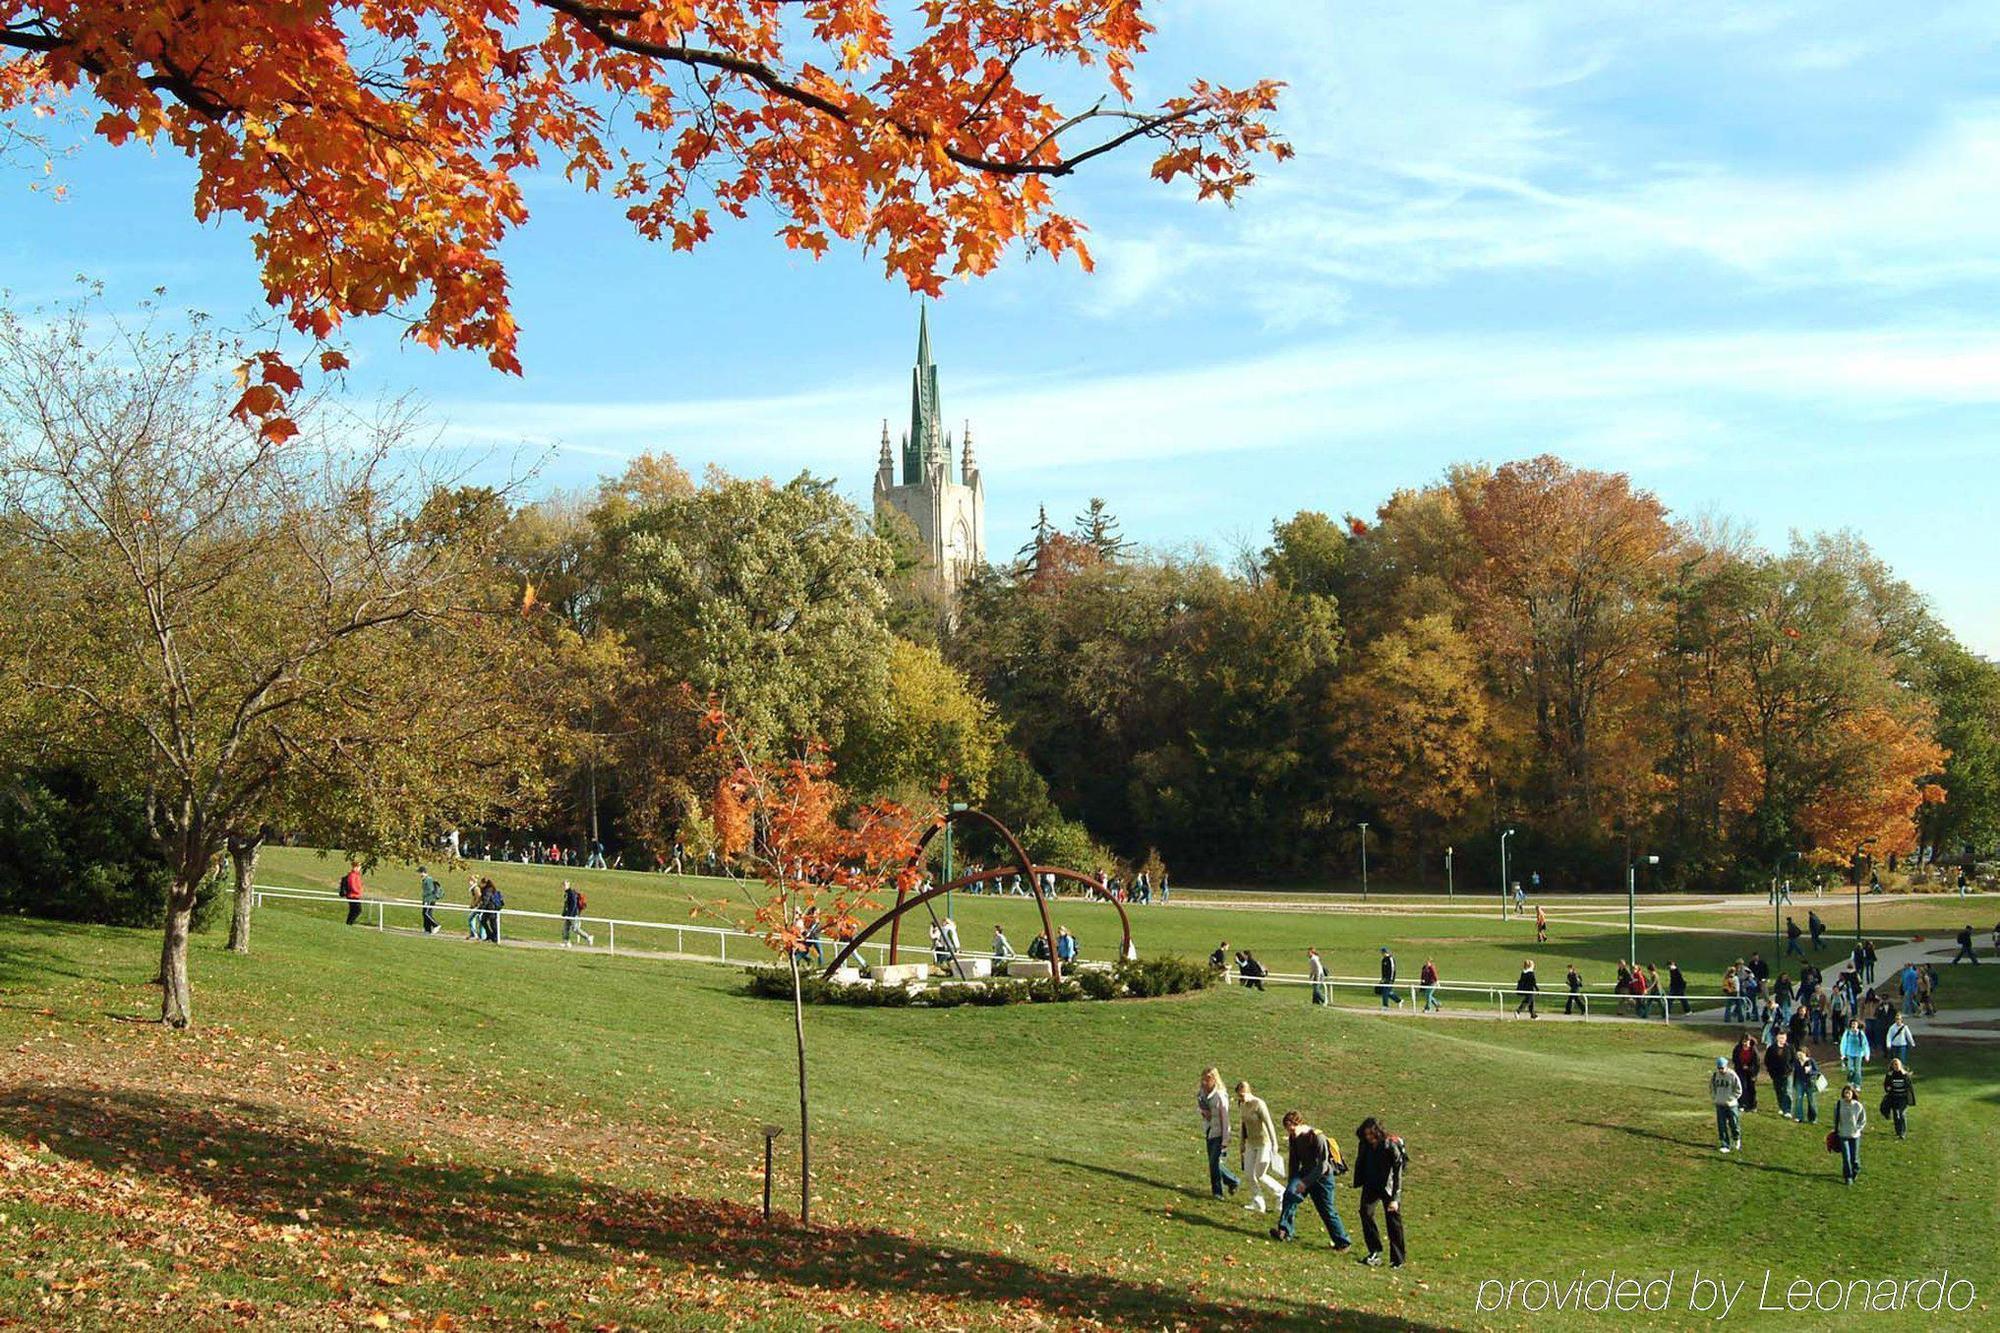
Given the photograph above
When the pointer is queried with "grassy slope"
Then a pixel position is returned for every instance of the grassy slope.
(473, 1131)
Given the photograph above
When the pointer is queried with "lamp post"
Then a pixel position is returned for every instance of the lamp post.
(1777, 877)
(1859, 848)
(956, 807)
(1364, 860)
(1448, 895)
(1632, 906)
(1503, 872)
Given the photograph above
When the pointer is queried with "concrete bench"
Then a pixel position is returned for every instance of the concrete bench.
(972, 968)
(900, 974)
(1029, 967)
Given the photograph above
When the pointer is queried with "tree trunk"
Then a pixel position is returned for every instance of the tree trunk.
(243, 857)
(805, 1134)
(176, 1001)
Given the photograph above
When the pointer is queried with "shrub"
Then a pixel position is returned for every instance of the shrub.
(72, 851)
(1167, 974)
(995, 993)
(1099, 985)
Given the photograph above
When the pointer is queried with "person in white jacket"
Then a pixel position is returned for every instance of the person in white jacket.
(1724, 1088)
(1258, 1134)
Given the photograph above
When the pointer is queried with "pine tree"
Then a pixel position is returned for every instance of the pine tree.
(1097, 528)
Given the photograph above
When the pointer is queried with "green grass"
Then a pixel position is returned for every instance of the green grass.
(471, 1131)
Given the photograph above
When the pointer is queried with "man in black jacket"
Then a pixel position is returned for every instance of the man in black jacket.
(1312, 1162)
(1388, 987)
(1378, 1171)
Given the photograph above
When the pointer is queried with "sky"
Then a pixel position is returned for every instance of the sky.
(1747, 253)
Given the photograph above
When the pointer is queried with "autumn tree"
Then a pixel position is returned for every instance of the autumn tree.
(379, 151)
(814, 865)
(236, 631)
(927, 731)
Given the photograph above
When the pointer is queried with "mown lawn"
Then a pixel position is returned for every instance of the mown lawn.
(422, 1132)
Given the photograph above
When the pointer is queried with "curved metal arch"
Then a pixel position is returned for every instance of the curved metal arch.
(893, 918)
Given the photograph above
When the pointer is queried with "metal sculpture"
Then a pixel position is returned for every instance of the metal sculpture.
(1023, 865)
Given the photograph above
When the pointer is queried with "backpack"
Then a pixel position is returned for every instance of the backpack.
(581, 901)
(1402, 1153)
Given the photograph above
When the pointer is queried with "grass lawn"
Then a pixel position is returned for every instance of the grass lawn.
(386, 1130)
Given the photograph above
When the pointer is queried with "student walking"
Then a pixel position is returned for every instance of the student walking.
(1213, 1103)
(1792, 937)
(1898, 1096)
(475, 919)
(1854, 1050)
(1574, 1002)
(351, 889)
(1316, 973)
(1778, 1064)
(1965, 952)
(1725, 1089)
(1850, 1117)
(1003, 950)
(1817, 928)
(1429, 979)
(1387, 990)
(1541, 925)
(1806, 1084)
(1258, 1137)
(1677, 986)
(1379, 1160)
(573, 904)
(1900, 1041)
(1526, 987)
(1746, 1059)
(430, 892)
(1312, 1163)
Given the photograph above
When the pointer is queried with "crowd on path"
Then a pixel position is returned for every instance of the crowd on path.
(1308, 1168)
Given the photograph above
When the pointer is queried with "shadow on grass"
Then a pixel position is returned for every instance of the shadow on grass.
(269, 1168)
(1130, 1177)
(1699, 1147)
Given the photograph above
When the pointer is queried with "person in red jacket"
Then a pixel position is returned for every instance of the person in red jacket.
(351, 889)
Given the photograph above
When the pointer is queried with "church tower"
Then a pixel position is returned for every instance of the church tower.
(945, 499)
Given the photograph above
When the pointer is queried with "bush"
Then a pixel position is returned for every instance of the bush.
(71, 851)
(1099, 985)
(1167, 974)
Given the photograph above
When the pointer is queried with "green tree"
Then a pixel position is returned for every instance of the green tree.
(928, 731)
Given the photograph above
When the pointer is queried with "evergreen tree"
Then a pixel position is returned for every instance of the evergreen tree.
(1098, 529)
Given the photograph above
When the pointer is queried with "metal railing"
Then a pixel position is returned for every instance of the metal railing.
(1607, 1003)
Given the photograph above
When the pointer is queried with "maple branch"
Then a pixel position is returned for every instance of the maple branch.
(598, 21)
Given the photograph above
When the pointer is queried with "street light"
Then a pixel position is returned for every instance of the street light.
(1503, 872)
(1447, 875)
(1364, 860)
(956, 807)
(1632, 907)
(1859, 848)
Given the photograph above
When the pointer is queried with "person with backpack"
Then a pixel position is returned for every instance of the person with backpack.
(573, 907)
(491, 901)
(1677, 986)
(1898, 1096)
(1312, 1163)
(1379, 1160)
(1850, 1118)
(1792, 936)
(1429, 979)
(1253, 971)
(1574, 1003)
(475, 919)
(1854, 1050)
(1965, 947)
(1899, 1041)
(430, 892)
(351, 889)
(1817, 929)
(1724, 1089)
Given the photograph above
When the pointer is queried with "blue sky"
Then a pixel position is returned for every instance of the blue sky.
(1749, 254)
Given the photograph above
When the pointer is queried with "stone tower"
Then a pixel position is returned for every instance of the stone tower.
(945, 500)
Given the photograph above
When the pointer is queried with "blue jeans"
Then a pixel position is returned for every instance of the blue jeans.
(1850, 1158)
(1853, 1065)
(1389, 996)
(1321, 1193)
(1431, 998)
(1220, 1177)
(1728, 1126)
(1805, 1100)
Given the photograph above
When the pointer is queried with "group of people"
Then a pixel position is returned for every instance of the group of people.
(1796, 1082)
(1310, 1165)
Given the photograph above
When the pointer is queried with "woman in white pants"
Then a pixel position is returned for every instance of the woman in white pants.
(1260, 1149)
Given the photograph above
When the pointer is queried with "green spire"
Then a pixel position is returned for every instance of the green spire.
(924, 419)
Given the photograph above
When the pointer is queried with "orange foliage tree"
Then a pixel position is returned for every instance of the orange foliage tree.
(377, 148)
(817, 867)
(1883, 768)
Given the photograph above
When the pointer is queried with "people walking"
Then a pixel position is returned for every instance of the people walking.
(1677, 986)
(1745, 1059)
(1003, 950)
(351, 888)
(1725, 1090)
(1379, 1159)
(1792, 936)
(1428, 979)
(1541, 925)
(1258, 1137)
(1817, 928)
(1965, 952)
(494, 901)
(475, 919)
(430, 893)
(1778, 1066)
(1898, 1096)
(1854, 1050)
(1213, 1103)
(1850, 1118)
(1899, 1042)
(1316, 973)
(1312, 1163)
(1253, 971)
(1526, 987)
(1574, 1001)
(1387, 990)
(1806, 1084)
